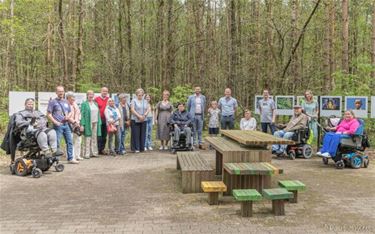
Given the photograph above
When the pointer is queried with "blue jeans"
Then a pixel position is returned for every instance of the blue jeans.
(270, 125)
(148, 142)
(331, 142)
(282, 134)
(122, 148)
(197, 129)
(64, 130)
(314, 127)
(227, 122)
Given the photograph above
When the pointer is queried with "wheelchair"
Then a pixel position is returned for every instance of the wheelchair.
(32, 160)
(181, 145)
(301, 148)
(350, 152)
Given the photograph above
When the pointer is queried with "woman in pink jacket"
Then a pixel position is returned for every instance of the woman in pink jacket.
(331, 141)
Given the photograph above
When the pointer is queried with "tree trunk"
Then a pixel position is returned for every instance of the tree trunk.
(80, 39)
(232, 50)
(373, 48)
(294, 35)
(64, 79)
(329, 62)
(345, 38)
(129, 45)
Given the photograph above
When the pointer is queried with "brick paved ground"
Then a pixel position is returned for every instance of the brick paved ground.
(141, 194)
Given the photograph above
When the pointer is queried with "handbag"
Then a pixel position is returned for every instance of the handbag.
(111, 128)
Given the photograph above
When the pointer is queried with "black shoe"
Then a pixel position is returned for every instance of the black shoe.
(58, 153)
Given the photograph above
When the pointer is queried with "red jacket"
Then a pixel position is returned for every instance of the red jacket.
(102, 103)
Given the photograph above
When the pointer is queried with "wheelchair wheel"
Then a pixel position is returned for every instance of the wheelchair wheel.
(340, 164)
(20, 167)
(36, 173)
(366, 162)
(292, 155)
(307, 151)
(325, 160)
(59, 167)
(356, 162)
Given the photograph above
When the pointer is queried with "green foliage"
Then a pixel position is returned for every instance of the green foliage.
(181, 93)
(155, 93)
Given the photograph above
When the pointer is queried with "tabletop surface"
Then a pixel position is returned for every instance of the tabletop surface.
(255, 138)
(259, 168)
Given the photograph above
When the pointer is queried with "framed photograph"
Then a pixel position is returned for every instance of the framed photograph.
(301, 99)
(80, 98)
(373, 107)
(114, 96)
(17, 101)
(330, 105)
(256, 103)
(43, 99)
(358, 104)
(284, 105)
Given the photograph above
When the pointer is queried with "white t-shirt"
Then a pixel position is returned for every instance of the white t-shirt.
(250, 124)
(94, 112)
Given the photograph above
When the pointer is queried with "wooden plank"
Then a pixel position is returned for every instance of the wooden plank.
(277, 194)
(254, 138)
(252, 169)
(292, 185)
(213, 186)
(246, 195)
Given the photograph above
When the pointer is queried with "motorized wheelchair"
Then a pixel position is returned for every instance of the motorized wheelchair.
(181, 145)
(32, 160)
(351, 149)
(301, 148)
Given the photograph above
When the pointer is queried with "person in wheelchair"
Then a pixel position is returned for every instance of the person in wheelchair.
(181, 121)
(297, 122)
(32, 126)
(348, 126)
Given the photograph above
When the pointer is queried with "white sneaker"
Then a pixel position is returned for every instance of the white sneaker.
(137, 151)
(145, 149)
(165, 147)
(150, 148)
(79, 158)
(319, 153)
(326, 155)
(73, 161)
(161, 148)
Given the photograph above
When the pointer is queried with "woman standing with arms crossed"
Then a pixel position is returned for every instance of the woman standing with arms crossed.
(139, 108)
(311, 108)
(163, 111)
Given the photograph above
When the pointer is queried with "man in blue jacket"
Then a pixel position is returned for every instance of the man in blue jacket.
(181, 119)
(196, 105)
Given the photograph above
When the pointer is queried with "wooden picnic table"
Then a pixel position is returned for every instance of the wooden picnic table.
(228, 150)
(249, 175)
(254, 138)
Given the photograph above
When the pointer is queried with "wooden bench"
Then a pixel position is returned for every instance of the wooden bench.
(248, 175)
(278, 197)
(246, 197)
(293, 186)
(194, 169)
(213, 188)
(228, 150)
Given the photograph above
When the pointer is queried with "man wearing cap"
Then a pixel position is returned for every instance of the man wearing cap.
(298, 121)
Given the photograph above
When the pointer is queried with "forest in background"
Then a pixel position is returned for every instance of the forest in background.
(288, 46)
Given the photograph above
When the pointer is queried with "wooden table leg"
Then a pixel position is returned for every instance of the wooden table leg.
(246, 208)
(213, 198)
(227, 182)
(219, 163)
(278, 207)
(295, 197)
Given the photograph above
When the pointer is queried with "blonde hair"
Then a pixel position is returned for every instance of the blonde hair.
(309, 92)
(109, 100)
(140, 90)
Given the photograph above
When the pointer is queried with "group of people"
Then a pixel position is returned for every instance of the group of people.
(99, 120)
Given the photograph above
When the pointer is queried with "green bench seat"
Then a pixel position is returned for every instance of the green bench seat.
(246, 197)
(293, 186)
(278, 197)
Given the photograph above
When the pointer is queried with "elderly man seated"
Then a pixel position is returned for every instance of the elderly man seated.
(181, 120)
(31, 121)
(298, 121)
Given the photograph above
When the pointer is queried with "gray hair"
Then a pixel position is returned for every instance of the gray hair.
(140, 90)
(69, 95)
(121, 96)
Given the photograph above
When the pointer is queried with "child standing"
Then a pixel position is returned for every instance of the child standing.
(248, 122)
(213, 124)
